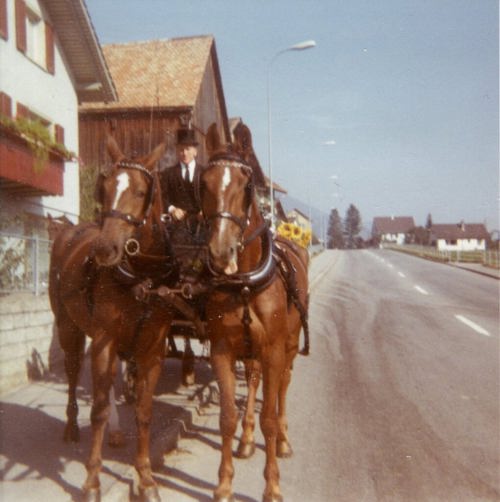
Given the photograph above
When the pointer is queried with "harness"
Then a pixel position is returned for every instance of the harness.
(274, 261)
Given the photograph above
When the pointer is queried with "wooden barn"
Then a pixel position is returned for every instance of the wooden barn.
(162, 85)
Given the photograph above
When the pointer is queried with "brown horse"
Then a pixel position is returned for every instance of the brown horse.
(116, 437)
(254, 312)
(91, 292)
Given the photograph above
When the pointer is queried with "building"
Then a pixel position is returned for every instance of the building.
(51, 61)
(459, 237)
(162, 85)
(392, 229)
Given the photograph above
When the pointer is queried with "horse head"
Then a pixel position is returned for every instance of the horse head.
(226, 198)
(126, 192)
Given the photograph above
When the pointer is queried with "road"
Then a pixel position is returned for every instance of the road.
(399, 400)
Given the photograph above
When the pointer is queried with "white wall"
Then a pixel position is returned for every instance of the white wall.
(50, 96)
(462, 245)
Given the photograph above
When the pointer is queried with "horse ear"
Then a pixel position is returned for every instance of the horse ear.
(212, 140)
(151, 160)
(113, 149)
(243, 141)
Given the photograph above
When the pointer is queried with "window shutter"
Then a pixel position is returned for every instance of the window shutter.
(4, 31)
(5, 105)
(59, 134)
(49, 48)
(21, 25)
(23, 111)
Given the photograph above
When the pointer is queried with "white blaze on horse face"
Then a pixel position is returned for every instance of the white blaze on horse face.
(123, 183)
(226, 179)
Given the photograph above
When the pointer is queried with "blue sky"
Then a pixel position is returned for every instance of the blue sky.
(395, 110)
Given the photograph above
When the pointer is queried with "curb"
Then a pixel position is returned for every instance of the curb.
(479, 272)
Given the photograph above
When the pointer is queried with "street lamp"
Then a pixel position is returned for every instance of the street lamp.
(307, 44)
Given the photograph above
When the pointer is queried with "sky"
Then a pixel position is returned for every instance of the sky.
(395, 110)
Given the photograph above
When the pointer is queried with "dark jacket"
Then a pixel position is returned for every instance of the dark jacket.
(177, 192)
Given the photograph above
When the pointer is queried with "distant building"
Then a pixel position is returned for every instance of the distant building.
(392, 229)
(459, 237)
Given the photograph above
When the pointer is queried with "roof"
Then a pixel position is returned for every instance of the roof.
(461, 230)
(298, 211)
(164, 73)
(392, 224)
(82, 50)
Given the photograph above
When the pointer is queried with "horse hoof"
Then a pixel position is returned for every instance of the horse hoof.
(149, 494)
(116, 439)
(225, 498)
(272, 498)
(284, 449)
(245, 450)
(92, 495)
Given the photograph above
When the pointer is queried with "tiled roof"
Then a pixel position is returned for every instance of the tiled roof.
(162, 73)
(459, 231)
(392, 224)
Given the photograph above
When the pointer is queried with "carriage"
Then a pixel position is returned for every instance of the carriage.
(242, 288)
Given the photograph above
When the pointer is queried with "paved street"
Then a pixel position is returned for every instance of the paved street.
(398, 401)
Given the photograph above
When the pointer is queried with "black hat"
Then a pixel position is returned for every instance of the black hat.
(186, 137)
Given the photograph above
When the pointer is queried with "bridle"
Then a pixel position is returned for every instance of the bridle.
(126, 217)
(231, 161)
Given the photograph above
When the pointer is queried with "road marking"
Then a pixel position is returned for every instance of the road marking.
(472, 325)
(401, 274)
(421, 290)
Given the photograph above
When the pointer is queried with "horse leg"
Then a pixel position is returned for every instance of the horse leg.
(246, 447)
(103, 371)
(148, 372)
(116, 438)
(273, 366)
(72, 341)
(223, 366)
(188, 363)
(283, 446)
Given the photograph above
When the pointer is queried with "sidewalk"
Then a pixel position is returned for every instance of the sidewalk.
(37, 465)
(478, 268)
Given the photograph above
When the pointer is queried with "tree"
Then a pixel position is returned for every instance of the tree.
(88, 205)
(428, 224)
(352, 226)
(335, 236)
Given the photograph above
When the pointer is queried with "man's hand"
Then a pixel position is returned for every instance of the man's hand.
(177, 213)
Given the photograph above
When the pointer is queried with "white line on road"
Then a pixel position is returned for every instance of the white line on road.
(472, 325)
(421, 290)
(401, 274)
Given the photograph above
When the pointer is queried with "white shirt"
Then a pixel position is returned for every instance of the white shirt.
(191, 167)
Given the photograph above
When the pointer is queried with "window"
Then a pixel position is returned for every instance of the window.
(3, 19)
(35, 38)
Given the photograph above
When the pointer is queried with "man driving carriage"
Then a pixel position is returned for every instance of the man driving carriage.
(185, 228)
(178, 185)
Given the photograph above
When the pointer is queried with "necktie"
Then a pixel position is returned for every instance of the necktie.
(186, 174)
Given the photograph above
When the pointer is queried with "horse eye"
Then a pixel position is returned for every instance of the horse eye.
(140, 194)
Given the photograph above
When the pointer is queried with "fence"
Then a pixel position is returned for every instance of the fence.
(490, 258)
(24, 263)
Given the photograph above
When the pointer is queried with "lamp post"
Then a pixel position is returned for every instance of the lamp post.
(307, 44)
